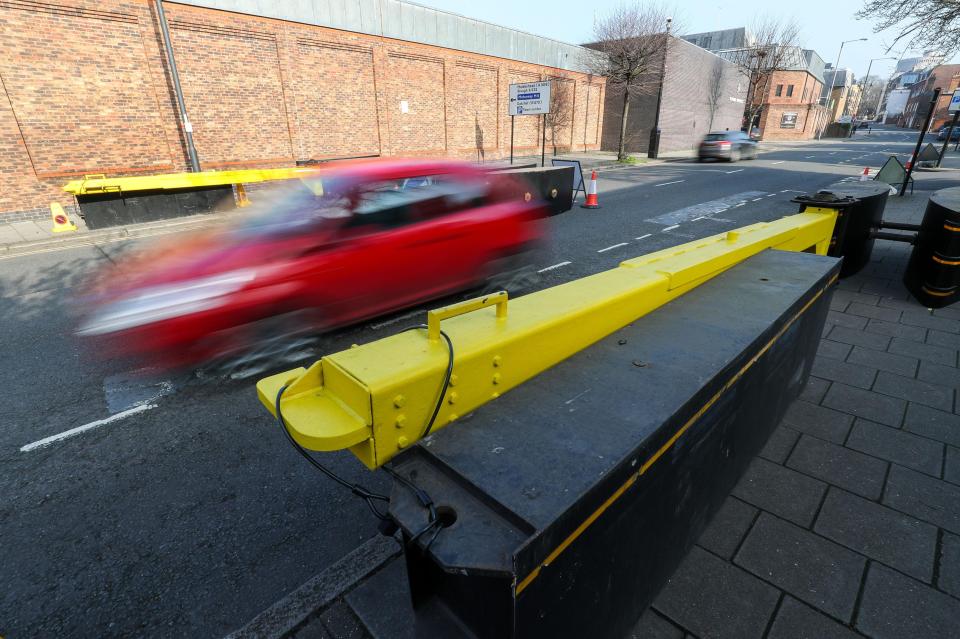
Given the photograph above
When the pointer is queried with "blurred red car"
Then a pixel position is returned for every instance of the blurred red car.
(360, 240)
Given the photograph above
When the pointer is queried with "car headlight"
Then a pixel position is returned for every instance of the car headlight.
(164, 302)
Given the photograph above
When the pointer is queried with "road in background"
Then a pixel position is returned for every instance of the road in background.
(182, 510)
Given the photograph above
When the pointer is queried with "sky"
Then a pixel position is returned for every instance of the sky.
(824, 24)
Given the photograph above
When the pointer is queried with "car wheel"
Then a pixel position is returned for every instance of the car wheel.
(515, 275)
(735, 155)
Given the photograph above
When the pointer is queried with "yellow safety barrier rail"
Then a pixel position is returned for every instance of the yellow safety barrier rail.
(101, 184)
(377, 399)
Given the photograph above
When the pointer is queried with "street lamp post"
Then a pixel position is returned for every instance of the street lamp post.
(836, 66)
(863, 89)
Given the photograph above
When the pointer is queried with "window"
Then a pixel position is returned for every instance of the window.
(789, 90)
(393, 203)
(779, 90)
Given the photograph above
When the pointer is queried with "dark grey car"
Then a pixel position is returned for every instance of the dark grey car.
(728, 145)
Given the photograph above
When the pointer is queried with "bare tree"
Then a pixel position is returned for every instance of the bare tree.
(922, 24)
(774, 48)
(631, 42)
(560, 117)
(714, 90)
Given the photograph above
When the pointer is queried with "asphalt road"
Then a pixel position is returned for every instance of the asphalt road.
(182, 511)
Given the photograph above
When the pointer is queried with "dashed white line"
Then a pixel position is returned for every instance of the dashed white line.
(738, 205)
(610, 248)
(808, 157)
(393, 320)
(734, 171)
(670, 228)
(666, 183)
(779, 162)
(771, 195)
(46, 441)
(756, 199)
(550, 268)
(643, 237)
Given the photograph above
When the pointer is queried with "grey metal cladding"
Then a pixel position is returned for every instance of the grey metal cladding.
(415, 23)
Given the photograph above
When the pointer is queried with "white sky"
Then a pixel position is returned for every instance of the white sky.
(823, 23)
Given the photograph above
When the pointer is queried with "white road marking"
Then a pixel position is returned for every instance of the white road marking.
(670, 228)
(792, 191)
(756, 199)
(733, 171)
(771, 195)
(778, 162)
(610, 248)
(643, 237)
(833, 153)
(808, 157)
(393, 320)
(739, 205)
(666, 183)
(46, 441)
(550, 268)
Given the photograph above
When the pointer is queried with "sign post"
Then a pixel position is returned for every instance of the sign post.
(530, 98)
(954, 108)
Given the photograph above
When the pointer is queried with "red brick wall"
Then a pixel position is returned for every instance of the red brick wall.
(85, 89)
(811, 117)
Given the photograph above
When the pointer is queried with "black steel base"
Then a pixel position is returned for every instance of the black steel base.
(102, 210)
(571, 499)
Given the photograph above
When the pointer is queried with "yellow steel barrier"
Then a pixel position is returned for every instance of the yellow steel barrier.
(376, 399)
(101, 184)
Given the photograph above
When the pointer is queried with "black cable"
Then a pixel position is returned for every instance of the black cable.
(365, 494)
(446, 377)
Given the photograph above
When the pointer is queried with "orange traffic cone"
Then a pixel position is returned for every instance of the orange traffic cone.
(592, 201)
(865, 176)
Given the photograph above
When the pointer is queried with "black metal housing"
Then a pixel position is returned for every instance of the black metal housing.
(570, 500)
(113, 208)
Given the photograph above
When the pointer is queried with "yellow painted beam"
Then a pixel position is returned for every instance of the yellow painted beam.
(103, 184)
(376, 399)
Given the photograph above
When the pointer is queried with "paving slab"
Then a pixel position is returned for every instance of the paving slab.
(939, 338)
(939, 374)
(892, 329)
(796, 620)
(31, 230)
(926, 498)
(781, 491)
(839, 371)
(895, 606)
(932, 423)
(932, 395)
(950, 564)
(897, 364)
(848, 469)
(951, 471)
(713, 598)
(781, 442)
(814, 390)
(898, 446)
(653, 625)
(728, 527)
(928, 320)
(835, 350)
(818, 421)
(847, 321)
(866, 404)
(889, 536)
(858, 337)
(874, 312)
(806, 566)
(929, 352)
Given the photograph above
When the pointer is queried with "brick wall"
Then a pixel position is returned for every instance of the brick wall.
(86, 89)
(804, 103)
(701, 92)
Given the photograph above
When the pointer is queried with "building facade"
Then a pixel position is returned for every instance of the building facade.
(836, 92)
(265, 84)
(945, 77)
(701, 93)
(724, 39)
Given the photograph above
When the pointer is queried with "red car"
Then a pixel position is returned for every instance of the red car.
(360, 240)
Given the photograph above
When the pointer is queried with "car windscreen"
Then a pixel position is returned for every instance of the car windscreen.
(715, 137)
(294, 205)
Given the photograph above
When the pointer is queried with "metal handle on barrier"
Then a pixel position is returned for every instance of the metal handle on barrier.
(436, 316)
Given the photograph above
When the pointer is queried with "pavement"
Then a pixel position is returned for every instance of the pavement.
(181, 511)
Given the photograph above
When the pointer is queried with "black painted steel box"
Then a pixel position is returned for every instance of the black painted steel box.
(573, 497)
